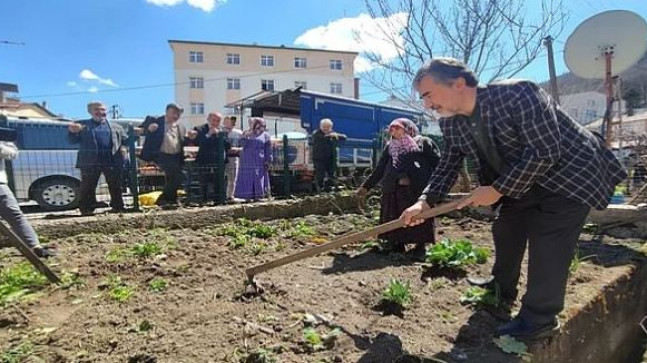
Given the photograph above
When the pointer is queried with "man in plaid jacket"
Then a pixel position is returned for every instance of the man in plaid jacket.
(550, 172)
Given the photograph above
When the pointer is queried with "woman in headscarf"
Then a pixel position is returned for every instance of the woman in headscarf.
(403, 171)
(253, 180)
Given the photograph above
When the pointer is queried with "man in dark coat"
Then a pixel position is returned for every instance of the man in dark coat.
(324, 158)
(164, 145)
(549, 172)
(99, 143)
(207, 157)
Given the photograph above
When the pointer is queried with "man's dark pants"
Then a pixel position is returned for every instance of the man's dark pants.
(90, 178)
(324, 168)
(171, 164)
(550, 224)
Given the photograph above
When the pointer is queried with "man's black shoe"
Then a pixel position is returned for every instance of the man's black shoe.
(523, 329)
(485, 282)
(45, 252)
(418, 253)
(87, 213)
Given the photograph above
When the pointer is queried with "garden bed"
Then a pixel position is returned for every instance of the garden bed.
(158, 295)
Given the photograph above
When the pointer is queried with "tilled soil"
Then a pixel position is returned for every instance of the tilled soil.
(202, 316)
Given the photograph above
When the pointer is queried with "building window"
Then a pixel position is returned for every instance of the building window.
(197, 108)
(335, 64)
(301, 84)
(590, 103)
(196, 82)
(267, 84)
(591, 115)
(233, 58)
(300, 63)
(335, 88)
(267, 61)
(196, 57)
(233, 83)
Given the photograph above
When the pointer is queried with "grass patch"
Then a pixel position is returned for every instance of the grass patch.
(454, 254)
(301, 229)
(118, 290)
(146, 249)
(158, 285)
(17, 354)
(314, 341)
(479, 296)
(577, 261)
(18, 281)
(398, 293)
(116, 255)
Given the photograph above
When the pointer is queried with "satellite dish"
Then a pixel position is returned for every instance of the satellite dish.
(621, 33)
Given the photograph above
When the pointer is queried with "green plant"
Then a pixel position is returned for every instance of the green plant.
(577, 261)
(118, 290)
(145, 326)
(398, 293)
(19, 280)
(17, 354)
(146, 249)
(261, 231)
(258, 248)
(239, 241)
(301, 229)
(260, 355)
(479, 296)
(454, 254)
(117, 254)
(312, 338)
(370, 244)
(158, 285)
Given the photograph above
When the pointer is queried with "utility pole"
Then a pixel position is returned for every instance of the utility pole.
(114, 111)
(548, 42)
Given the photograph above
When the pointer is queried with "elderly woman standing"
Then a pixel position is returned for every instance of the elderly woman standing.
(403, 170)
(253, 180)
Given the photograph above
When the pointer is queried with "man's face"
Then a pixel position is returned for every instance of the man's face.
(325, 128)
(172, 114)
(228, 123)
(98, 112)
(444, 99)
(214, 120)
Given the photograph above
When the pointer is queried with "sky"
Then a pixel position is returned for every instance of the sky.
(70, 52)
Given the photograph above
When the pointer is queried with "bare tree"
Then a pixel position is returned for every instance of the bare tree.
(496, 38)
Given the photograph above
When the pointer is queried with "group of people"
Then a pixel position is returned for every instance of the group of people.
(103, 149)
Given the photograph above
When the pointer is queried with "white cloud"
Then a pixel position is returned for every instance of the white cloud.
(361, 34)
(205, 5)
(88, 75)
(93, 89)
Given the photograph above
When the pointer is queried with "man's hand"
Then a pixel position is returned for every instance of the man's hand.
(152, 127)
(212, 131)
(74, 127)
(409, 214)
(191, 134)
(138, 131)
(481, 196)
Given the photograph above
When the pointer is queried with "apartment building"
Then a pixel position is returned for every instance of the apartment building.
(586, 107)
(209, 76)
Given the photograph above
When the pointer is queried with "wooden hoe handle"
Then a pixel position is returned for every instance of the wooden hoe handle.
(346, 239)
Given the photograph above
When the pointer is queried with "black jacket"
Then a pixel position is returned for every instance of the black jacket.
(88, 154)
(323, 146)
(153, 142)
(208, 145)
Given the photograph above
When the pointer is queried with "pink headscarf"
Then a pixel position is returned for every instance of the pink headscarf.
(404, 145)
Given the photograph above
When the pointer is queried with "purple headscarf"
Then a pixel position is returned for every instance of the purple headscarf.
(404, 145)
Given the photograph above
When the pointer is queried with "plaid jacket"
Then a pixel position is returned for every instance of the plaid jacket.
(540, 145)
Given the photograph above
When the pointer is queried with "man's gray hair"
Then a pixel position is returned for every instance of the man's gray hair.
(445, 70)
(325, 121)
(93, 104)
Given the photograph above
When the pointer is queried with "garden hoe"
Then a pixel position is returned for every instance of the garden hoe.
(252, 287)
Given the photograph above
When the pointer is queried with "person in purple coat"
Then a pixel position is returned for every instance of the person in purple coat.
(253, 180)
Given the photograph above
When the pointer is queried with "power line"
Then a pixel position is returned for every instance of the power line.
(163, 85)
